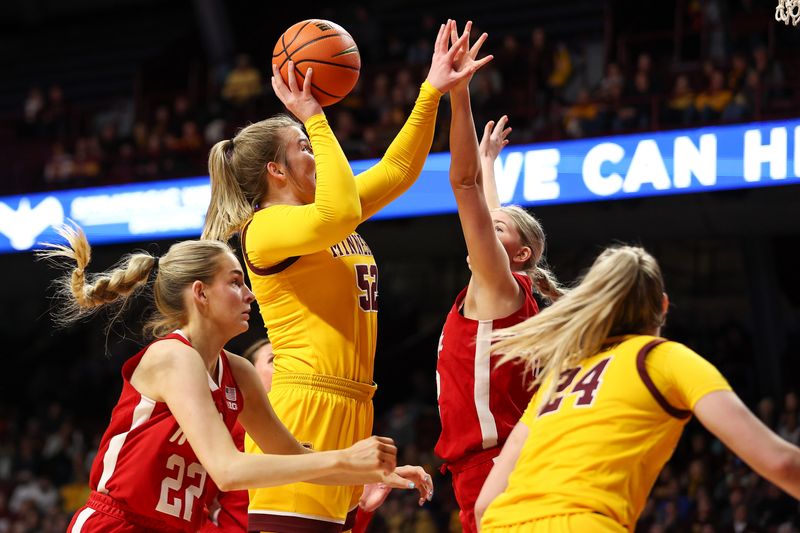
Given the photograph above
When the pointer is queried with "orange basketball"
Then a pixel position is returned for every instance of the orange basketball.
(328, 49)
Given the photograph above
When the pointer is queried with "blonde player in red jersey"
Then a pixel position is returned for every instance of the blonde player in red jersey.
(297, 204)
(479, 404)
(613, 401)
(168, 445)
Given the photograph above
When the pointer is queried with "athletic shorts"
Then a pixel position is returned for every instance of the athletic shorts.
(323, 413)
(568, 523)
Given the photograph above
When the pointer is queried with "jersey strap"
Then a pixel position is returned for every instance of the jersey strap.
(274, 269)
(651, 386)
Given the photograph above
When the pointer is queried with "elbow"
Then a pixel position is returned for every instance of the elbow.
(785, 466)
(464, 179)
(224, 478)
(347, 216)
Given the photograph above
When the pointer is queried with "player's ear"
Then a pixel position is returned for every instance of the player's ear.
(276, 171)
(199, 292)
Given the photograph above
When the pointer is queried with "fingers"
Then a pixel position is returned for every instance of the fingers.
(292, 79)
(501, 123)
(481, 62)
(473, 52)
(461, 42)
(488, 129)
(440, 46)
(453, 33)
(307, 81)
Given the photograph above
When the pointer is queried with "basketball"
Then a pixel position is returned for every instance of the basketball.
(328, 49)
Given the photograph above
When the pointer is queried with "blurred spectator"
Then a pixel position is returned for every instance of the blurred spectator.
(58, 169)
(613, 83)
(581, 118)
(243, 83)
(712, 102)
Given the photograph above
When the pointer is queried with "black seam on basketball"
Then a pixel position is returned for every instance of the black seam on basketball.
(312, 41)
(296, 35)
(326, 63)
(323, 91)
(286, 46)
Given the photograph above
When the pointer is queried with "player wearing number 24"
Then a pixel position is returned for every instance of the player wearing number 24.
(168, 446)
(613, 400)
(296, 203)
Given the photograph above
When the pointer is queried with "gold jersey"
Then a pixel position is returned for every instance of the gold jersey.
(315, 279)
(600, 442)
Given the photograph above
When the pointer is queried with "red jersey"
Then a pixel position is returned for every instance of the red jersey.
(479, 404)
(145, 469)
(231, 514)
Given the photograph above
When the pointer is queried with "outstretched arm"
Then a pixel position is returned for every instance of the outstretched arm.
(495, 138)
(492, 292)
(724, 415)
(174, 373)
(402, 164)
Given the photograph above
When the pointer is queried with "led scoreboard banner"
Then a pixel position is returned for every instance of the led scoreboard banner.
(602, 168)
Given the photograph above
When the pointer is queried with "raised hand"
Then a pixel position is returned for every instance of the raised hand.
(465, 58)
(452, 65)
(299, 102)
(376, 457)
(495, 138)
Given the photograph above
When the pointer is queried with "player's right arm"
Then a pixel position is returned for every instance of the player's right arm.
(492, 292)
(724, 415)
(175, 374)
(281, 231)
(497, 481)
(495, 138)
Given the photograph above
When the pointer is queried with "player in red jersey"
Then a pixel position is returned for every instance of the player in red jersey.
(228, 511)
(168, 445)
(479, 405)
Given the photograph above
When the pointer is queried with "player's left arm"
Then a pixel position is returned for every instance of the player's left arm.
(402, 164)
(497, 481)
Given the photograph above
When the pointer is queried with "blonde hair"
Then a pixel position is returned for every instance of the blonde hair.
(237, 168)
(532, 235)
(81, 296)
(622, 293)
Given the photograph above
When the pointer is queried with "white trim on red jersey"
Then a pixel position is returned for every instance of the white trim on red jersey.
(83, 516)
(483, 370)
(141, 414)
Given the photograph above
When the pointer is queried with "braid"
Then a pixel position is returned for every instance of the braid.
(82, 296)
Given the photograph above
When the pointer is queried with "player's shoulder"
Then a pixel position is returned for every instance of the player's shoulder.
(166, 353)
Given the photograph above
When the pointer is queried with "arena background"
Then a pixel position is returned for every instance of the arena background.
(729, 258)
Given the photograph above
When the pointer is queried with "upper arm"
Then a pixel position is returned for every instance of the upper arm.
(178, 377)
(497, 481)
(493, 289)
(282, 231)
(258, 418)
(402, 163)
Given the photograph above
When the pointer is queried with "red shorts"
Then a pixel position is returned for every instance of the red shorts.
(102, 514)
(469, 474)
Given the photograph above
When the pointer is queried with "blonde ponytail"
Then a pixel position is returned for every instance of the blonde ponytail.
(184, 263)
(620, 294)
(237, 168)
